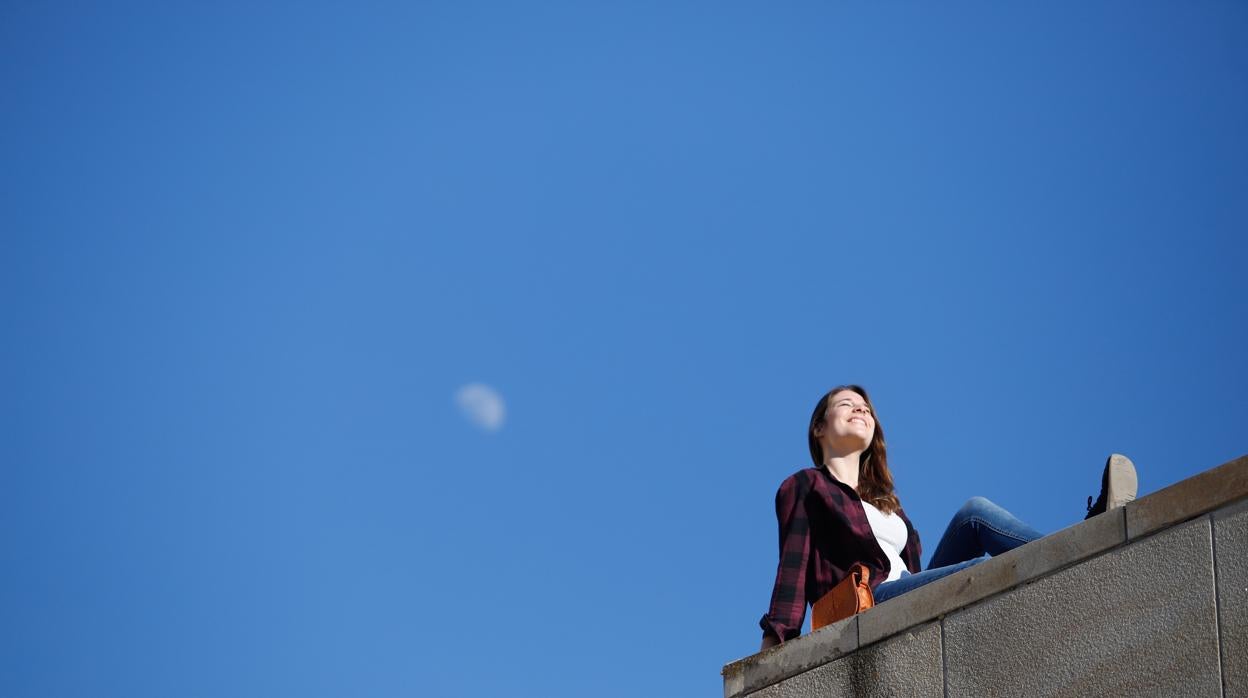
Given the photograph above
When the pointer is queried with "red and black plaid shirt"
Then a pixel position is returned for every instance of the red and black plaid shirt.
(823, 532)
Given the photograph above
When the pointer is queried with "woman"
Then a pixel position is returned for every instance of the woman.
(843, 511)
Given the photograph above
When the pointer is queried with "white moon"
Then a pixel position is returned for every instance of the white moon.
(481, 405)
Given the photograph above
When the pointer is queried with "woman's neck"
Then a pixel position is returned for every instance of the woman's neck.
(844, 468)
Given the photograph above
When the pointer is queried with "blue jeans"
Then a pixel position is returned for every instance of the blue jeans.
(979, 529)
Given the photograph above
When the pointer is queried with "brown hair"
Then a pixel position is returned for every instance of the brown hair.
(875, 481)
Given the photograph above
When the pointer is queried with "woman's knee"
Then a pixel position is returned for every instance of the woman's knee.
(977, 506)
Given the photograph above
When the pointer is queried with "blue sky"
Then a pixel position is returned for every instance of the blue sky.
(251, 253)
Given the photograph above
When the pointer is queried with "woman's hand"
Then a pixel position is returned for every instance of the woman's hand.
(769, 641)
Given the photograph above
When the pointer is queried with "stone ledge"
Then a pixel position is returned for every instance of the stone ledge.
(993, 576)
(1217, 492)
(1136, 621)
(908, 664)
(1187, 499)
(1230, 541)
(794, 657)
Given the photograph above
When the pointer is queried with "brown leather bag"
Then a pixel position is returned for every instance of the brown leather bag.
(852, 595)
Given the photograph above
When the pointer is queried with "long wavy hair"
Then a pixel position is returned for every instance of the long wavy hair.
(875, 481)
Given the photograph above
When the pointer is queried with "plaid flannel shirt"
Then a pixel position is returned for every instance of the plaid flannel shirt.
(823, 532)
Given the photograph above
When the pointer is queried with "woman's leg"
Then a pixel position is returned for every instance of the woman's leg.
(908, 582)
(980, 527)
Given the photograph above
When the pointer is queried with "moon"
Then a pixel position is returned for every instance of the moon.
(481, 405)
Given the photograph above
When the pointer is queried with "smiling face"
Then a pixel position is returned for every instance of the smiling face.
(848, 423)
(843, 425)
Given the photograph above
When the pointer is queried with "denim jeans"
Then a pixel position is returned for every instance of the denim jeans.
(980, 529)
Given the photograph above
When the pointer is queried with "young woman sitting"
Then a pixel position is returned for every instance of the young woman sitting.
(843, 512)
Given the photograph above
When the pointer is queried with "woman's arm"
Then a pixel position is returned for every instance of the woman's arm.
(788, 597)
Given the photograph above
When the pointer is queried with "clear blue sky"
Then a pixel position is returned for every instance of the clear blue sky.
(250, 253)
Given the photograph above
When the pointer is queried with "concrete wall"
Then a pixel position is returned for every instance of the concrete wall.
(1147, 600)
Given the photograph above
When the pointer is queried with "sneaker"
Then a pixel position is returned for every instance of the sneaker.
(1118, 485)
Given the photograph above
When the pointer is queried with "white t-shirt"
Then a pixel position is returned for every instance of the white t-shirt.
(890, 532)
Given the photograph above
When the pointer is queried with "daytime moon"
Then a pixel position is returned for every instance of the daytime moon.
(481, 405)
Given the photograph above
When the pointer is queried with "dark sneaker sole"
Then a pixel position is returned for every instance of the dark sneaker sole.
(1122, 481)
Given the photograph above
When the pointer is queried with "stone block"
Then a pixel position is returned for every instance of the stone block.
(1037, 558)
(1230, 553)
(1139, 620)
(1189, 498)
(908, 665)
(790, 658)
